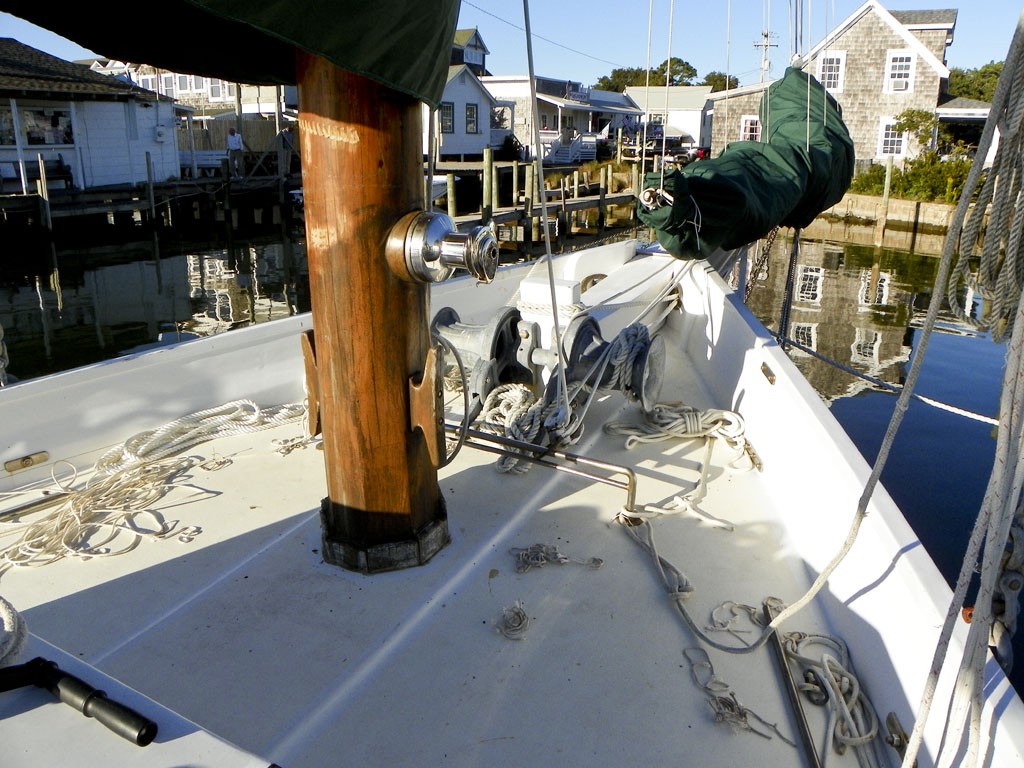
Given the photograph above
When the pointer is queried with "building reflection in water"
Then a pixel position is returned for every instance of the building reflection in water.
(853, 304)
(96, 305)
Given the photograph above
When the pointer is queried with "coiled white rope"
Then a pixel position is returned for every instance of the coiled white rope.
(13, 633)
(113, 512)
(678, 421)
(516, 410)
(233, 418)
(831, 682)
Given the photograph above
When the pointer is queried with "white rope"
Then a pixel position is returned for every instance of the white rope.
(1003, 493)
(539, 555)
(13, 633)
(678, 421)
(233, 418)
(831, 682)
(514, 621)
(539, 165)
(114, 510)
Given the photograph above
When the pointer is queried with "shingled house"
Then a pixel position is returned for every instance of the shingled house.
(89, 129)
(877, 64)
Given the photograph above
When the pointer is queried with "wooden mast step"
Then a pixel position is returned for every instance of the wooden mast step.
(362, 171)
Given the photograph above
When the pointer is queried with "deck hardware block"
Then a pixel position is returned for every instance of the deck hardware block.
(25, 462)
(768, 373)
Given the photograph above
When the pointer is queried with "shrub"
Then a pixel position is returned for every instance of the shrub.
(927, 177)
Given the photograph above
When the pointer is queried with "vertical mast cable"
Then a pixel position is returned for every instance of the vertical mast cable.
(647, 94)
(728, 50)
(803, 66)
(428, 183)
(538, 161)
(668, 83)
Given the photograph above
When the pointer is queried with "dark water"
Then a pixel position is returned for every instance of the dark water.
(856, 305)
(863, 307)
(95, 304)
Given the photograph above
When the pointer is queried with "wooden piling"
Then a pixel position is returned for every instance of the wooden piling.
(528, 203)
(453, 210)
(486, 208)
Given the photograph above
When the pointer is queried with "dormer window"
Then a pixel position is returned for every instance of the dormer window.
(899, 72)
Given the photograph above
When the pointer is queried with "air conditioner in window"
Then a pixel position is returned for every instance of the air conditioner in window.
(900, 85)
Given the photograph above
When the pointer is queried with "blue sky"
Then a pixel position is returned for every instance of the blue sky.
(583, 41)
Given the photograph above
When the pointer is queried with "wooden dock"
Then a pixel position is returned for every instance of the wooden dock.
(510, 198)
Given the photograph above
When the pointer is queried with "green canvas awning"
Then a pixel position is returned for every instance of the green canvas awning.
(404, 45)
(802, 166)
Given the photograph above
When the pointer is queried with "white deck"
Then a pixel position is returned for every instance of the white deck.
(248, 634)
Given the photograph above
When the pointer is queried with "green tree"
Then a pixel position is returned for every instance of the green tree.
(682, 73)
(620, 79)
(717, 81)
(919, 123)
(978, 84)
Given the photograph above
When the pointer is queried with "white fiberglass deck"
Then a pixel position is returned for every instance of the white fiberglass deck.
(247, 633)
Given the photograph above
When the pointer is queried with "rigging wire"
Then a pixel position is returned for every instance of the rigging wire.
(668, 84)
(1003, 494)
(647, 94)
(538, 161)
(541, 37)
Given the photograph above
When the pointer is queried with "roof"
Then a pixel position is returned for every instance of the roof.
(25, 70)
(743, 90)
(455, 69)
(959, 102)
(900, 28)
(679, 96)
(944, 17)
(592, 105)
(464, 36)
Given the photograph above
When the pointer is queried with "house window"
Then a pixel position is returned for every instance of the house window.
(472, 125)
(899, 72)
(47, 126)
(6, 127)
(198, 84)
(148, 82)
(806, 334)
(832, 71)
(890, 141)
(879, 294)
(182, 82)
(214, 89)
(864, 350)
(168, 83)
(750, 128)
(447, 114)
(808, 287)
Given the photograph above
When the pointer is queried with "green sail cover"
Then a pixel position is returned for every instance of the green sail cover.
(802, 166)
(404, 45)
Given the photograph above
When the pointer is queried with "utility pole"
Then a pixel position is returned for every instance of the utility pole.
(764, 45)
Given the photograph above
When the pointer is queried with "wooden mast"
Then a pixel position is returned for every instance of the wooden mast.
(361, 147)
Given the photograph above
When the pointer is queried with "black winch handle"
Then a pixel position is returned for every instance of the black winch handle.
(77, 693)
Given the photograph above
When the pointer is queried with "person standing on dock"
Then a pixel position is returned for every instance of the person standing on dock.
(234, 152)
